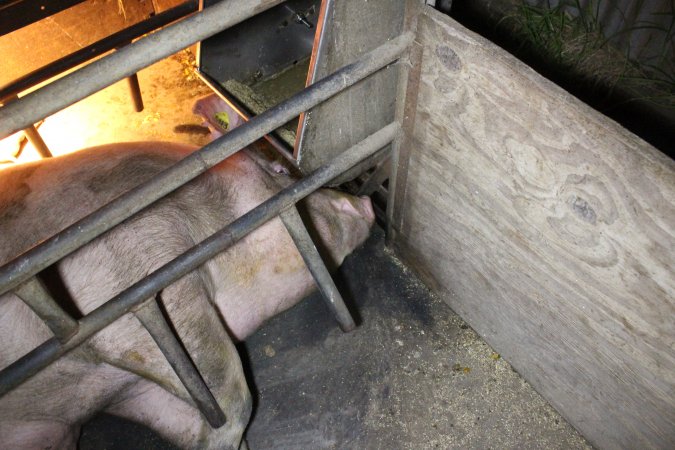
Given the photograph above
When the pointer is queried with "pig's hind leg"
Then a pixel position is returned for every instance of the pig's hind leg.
(201, 331)
(151, 405)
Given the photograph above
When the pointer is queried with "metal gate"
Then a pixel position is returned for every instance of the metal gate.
(19, 275)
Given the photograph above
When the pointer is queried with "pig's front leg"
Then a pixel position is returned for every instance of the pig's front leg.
(202, 333)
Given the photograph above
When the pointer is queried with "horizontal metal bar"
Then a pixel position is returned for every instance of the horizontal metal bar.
(126, 61)
(39, 358)
(31, 132)
(97, 48)
(36, 296)
(86, 229)
(296, 228)
(150, 315)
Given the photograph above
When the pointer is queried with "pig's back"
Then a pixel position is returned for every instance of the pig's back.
(39, 199)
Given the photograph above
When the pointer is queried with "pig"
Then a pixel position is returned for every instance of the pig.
(120, 370)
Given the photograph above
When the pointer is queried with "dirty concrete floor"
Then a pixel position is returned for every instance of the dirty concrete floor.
(413, 375)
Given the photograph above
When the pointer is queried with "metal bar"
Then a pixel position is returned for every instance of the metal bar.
(43, 355)
(135, 91)
(296, 228)
(127, 60)
(35, 295)
(83, 55)
(358, 170)
(376, 178)
(30, 131)
(86, 229)
(153, 320)
(37, 141)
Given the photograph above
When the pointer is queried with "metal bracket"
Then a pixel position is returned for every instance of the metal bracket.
(35, 295)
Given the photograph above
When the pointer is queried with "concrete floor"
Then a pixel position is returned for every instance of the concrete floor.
(413, 375)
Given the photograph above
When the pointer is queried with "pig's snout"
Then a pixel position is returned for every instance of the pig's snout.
(366, 207)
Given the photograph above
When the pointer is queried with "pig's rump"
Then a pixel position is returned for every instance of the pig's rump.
(120, 369)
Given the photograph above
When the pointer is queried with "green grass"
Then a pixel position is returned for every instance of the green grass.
(570, 37)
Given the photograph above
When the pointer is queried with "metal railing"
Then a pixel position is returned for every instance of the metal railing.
(19, 274)
(81, 56)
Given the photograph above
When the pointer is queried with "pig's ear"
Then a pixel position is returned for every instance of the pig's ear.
(279, 168)
(275, 168)
(346, 206)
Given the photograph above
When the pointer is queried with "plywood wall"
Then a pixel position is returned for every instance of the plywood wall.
(549, 228)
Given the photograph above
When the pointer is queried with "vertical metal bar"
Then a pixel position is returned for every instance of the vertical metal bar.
(135, 91)
(37, 141)
(381, 173)
(153, 320)
(34, 294)
(296, 228)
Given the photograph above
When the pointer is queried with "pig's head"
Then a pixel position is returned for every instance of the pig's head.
(339, 223)
(264, 274)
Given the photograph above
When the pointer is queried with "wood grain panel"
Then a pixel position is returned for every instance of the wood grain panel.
(551, 230)
(352, 28)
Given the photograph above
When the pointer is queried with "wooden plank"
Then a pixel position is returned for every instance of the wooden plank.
(351, 28)
(550, 229)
